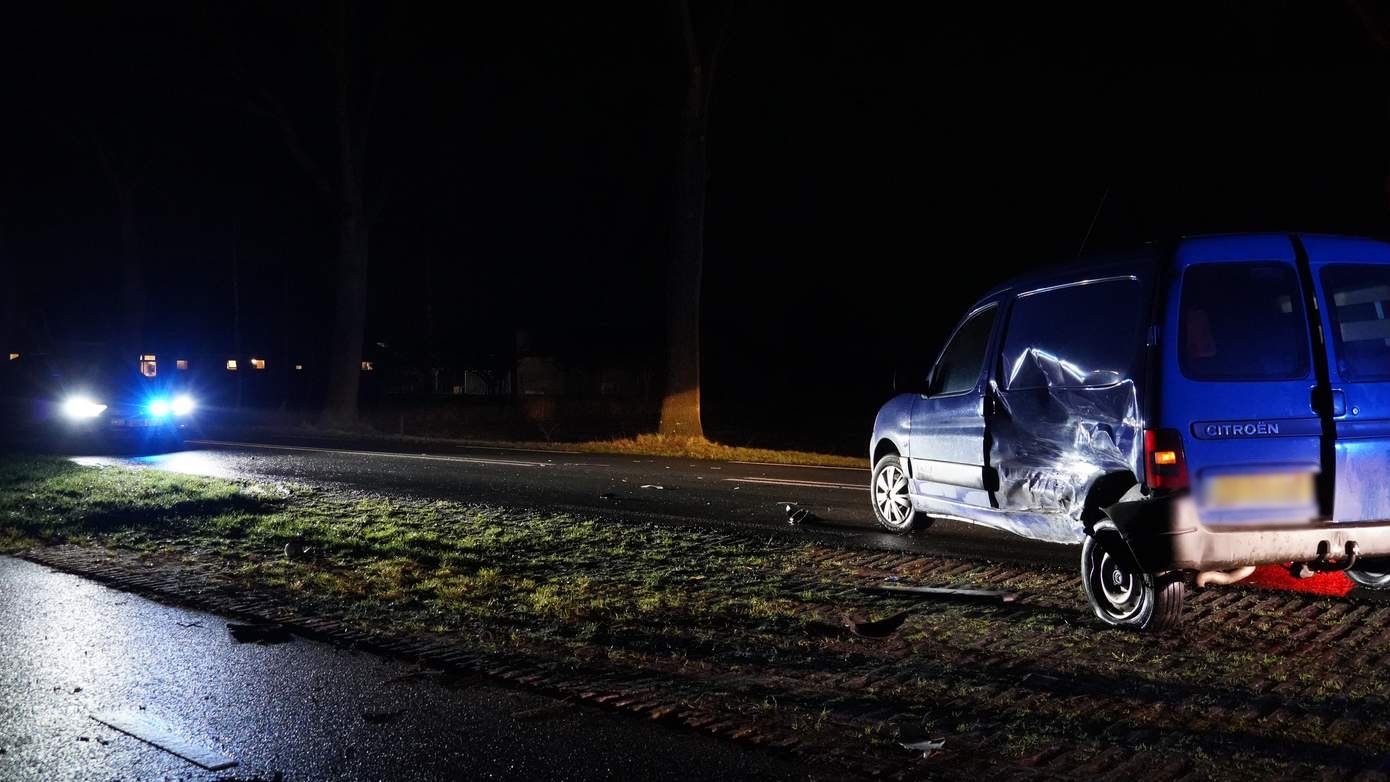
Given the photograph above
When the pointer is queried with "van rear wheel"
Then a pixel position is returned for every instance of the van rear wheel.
(1370, 578)
(1123, 598)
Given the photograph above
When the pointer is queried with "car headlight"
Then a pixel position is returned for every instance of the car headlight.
(159, 408)
(80, 407)
(182, 404)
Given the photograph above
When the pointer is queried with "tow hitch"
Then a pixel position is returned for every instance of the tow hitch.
(1324, 563)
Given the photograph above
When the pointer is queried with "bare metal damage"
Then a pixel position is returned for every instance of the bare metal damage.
(1052, 442)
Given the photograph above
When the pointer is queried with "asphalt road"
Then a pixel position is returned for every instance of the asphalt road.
(72, 648)
(748, 496)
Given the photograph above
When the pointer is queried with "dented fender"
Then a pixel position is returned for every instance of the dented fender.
(1145, 530)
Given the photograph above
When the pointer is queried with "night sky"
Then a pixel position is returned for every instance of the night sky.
(872, 170)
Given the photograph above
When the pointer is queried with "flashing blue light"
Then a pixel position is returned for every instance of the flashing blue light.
(182, 404)
(159, 408)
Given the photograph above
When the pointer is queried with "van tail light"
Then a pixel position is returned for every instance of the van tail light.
(1165, 467)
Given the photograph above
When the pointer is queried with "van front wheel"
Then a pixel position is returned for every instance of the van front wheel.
(1124, 598)
(888, 487)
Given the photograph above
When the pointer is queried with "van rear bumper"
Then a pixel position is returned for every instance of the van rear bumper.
(1165, 534)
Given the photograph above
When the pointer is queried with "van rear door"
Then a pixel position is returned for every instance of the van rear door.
(1352, 280)
(1240, 383)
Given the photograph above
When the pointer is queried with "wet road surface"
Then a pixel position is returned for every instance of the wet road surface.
(303, 709)
(749, 496)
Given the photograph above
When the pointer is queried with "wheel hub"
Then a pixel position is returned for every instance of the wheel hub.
(890, 495)
(1116, 591)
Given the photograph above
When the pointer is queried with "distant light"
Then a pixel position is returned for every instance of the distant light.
(298, 367)
(78, 407)
(159, 408)
(368, 366)
(258, 363)
(147, 366)
(182, 404)
(231, 365)
(14, 356)
(181, 364)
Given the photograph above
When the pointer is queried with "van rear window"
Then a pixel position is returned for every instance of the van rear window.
(1243, 321)
(1359, 296)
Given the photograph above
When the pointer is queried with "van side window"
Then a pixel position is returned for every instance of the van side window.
(1082, 335)
(1359, 296)
(958, 369)
(1242, 321)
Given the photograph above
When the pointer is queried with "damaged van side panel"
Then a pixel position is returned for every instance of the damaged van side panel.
(1067, 398)
(1051, 445)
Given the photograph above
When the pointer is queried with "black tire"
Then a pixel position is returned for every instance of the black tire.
(888, 493)
(1369, 579)
(1122, 598)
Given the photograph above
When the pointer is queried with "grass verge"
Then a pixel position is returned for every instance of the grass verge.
(438, 565)
(641, 445)
(758, 623)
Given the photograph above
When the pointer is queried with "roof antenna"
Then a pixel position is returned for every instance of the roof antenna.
(1092, 226)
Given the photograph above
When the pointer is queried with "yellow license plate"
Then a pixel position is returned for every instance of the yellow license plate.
(1260, 490)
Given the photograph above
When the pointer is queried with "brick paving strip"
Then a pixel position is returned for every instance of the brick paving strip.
(1257, 685)
(169, 580)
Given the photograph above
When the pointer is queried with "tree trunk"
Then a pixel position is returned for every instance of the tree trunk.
(9, 305)
(350, 319)
(242, 366)
(132, 281)
(345, 351)
(680, 405)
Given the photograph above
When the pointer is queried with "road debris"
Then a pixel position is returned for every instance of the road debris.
(876, 628)
(297, 550)
(993, 595)
(928, 747)
(797, 514)
(189, 624)
(652, 486)
(1040, 679)
(156, 733)
(260, 634)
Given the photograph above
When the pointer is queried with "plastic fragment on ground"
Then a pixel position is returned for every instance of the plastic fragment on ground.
(950, 592)
(157, 734)
(927, 748)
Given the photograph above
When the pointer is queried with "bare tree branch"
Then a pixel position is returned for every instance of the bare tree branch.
(713, 68)
(373, 92)
(1371, 25)
(265, 104)
(692, 49)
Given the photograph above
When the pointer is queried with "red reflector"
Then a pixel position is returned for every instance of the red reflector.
(1164, 464)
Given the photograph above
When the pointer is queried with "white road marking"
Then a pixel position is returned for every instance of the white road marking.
(802, 484)
(804, 466)
(423, 456)
(519, 450)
